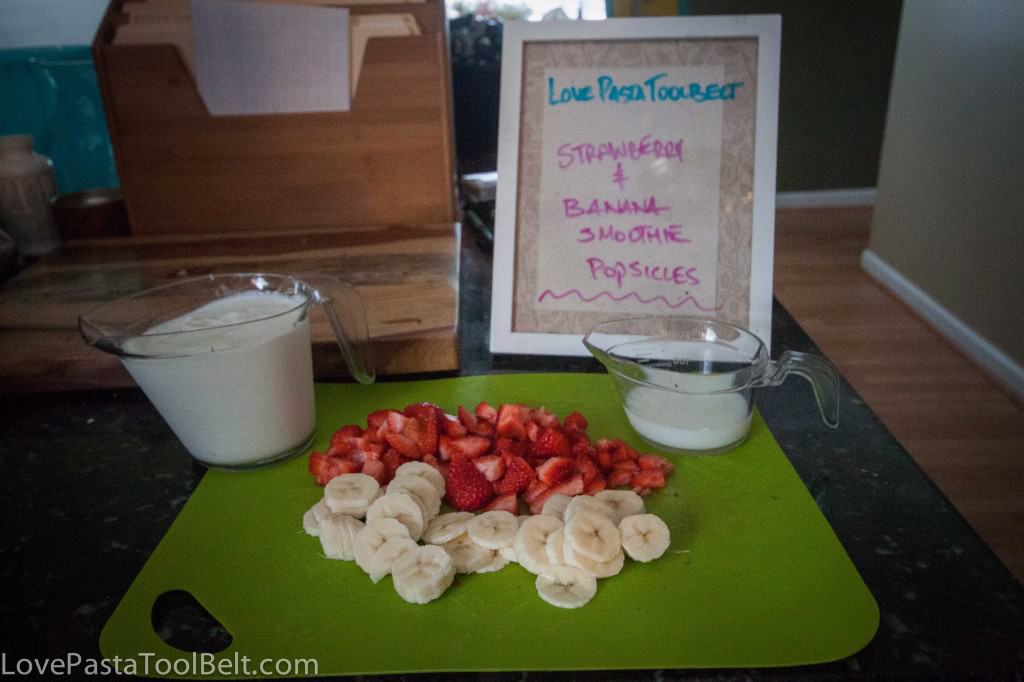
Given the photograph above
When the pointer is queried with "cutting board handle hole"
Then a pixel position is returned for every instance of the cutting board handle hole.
(180, 620)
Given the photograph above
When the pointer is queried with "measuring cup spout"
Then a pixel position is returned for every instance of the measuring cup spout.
(818, 372)
(347, 315)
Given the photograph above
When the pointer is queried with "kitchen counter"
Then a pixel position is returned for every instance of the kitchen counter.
(92, 480)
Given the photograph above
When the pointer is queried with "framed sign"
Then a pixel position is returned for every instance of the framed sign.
(636, 176)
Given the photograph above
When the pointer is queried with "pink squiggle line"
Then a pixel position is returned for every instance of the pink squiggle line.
(620, 299)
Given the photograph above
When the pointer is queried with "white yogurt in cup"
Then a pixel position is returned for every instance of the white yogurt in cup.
(227, 359)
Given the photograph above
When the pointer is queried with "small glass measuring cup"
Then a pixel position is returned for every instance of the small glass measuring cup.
(687, 383)
(227, 361)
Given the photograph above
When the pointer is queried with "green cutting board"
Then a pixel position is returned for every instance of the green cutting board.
(754, 576)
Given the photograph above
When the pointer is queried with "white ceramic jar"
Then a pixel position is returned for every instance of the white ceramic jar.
(26, 187)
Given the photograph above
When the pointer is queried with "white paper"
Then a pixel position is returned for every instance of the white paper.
(262, 58)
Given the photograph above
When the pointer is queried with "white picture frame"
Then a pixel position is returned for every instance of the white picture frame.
(766, 29)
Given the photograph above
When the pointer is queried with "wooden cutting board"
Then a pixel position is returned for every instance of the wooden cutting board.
(754, 575)
(407, 276)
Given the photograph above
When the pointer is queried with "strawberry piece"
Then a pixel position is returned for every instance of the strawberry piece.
(626, 465)
(396, 421)
(325, 467)
(467, 418)
(428, 416)
(587, 469)
(575, 421)
(466, 488)
(345, 440)
(403, 444)
(509, 503)
(551, 443)
(486, 413)
(392, 460)
(535, 489)
(450, 426)
(603, 456)
(377, 469)
(649, 478)
(542, 417)
(620, 477)
(491, 466)
(375, 419)
(583, 448)
(595, 486)
(467, 446)
(532, 431)
(571, 487)
(516, 448)
(555, 470)
(511, 421)
(518, 476)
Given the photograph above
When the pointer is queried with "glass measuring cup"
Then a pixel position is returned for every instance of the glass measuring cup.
(227, 360)
(687, 384)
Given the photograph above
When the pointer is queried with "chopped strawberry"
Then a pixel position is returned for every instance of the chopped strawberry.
(603, 457)
(619, 477)
(511, 421)
(396, 421)
(483, 428)
(491, 466)
(372, 450)
(510, 446)
(345, 440)
(375, 419)
(626, 465)
(377, 469)
(542, 417)
(467, 418)
(551, 443)
(595, 486)
(576, 421)
(571, 487)
(649, 478)
(324, 467)
(532, 431)
(583, 448)
(403, 444)
(535, 489)
(451, 426)
(587, 469)
(466, 487)
(518, 476)
(427, 416)
(486, 412)
(509, 503)
(467, 446)
(431, 460)
(392, 460)
(555, 470)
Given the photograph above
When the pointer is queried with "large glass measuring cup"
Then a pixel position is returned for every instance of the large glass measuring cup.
(226, 359)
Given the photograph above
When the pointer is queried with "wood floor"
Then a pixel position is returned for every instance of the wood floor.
(962, 429)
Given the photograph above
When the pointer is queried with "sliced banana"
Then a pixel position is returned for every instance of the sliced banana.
(645, 537)
(422, 491)
(587, 503)
(592, 535)
(402, 507)
(598, 569)
(509, 553)
(531, 540)
(493, 529)
(351, 493)
(423, 574)
(386, 555)
(554, 548)
(623, 503)
(468, 556)
(338, 535)
(446, 527)
(496, 563)
(370, 538)
(311, 519)
(566, 587)
(423, 470)
(555, 506)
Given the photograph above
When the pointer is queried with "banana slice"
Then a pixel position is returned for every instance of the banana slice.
(446, 527)
(493, 529)
(497, 563)
(623, 503)
(555, 506)
(313, 516)
(468, 556)
(338, 535)
(587, 503)
(597, 569)
(423, 574)
(386, 555)
(593, 535)
(645, 537)
(554, 548)
(509, 554)
(370, 538)
(421, 489)
(400, 506)
(566, 587)
(351, 493)
(531, 540)
(423, 470)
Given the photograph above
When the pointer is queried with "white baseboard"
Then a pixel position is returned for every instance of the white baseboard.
(864, 196)
(999, 366)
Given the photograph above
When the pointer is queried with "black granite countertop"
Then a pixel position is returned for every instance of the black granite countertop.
(91, 481)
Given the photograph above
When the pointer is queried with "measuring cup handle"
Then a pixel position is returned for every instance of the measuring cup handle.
(819, 372)
(344, 309)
